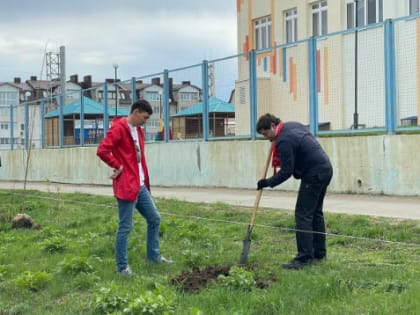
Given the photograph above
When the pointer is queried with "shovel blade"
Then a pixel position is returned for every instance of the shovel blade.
(247, 245)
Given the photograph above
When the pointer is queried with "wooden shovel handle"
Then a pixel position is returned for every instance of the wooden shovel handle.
(259, 192)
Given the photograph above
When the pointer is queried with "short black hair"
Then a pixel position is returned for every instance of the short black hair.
(142, 105)
(265, 121)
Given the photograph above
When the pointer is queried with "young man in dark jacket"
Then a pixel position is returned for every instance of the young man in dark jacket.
(123, 150)
(297, 153)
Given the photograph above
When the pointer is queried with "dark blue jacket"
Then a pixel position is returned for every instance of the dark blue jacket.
(300, 154)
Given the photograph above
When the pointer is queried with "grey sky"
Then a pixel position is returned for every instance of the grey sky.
(141, 36)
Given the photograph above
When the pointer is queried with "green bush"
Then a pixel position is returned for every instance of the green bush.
(85, 280)
(29, 206)
(33, 280)
(75, 265)
(107, 300)
(192, 231)
(54, 244)
(192, 258)
(395, 287)
(151, 303)
(4, 270)
(238, 278)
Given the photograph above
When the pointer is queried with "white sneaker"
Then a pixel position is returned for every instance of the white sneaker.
(164, 260)
(127, 272)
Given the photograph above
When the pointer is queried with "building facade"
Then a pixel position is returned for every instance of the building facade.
(350, 66)
(181, 96)
(21, 104)
(18, 122)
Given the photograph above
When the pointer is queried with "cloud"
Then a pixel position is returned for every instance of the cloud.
(141, 36)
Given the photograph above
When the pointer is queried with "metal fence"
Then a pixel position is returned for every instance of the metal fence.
(354, 81)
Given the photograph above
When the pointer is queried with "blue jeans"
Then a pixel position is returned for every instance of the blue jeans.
(146, 207)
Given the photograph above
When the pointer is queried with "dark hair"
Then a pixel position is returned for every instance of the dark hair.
(265, 121)
(143, 106)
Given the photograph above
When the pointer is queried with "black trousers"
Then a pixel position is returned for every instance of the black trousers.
(309, 217)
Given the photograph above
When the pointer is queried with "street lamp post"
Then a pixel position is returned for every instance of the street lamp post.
(356, 114)
(159, 132)
(116, 88)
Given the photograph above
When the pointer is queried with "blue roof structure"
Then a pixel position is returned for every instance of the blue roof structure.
(90, 107)
(216, 105)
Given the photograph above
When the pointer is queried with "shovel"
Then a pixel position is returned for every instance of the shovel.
(247, 240)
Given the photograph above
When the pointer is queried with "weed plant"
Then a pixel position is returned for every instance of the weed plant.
(67, 267)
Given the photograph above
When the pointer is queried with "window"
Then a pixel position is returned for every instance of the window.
(4, 126)
(111, 95)
(262, 33)
(4, 111)
(242, 95)
(291, 25)
(153, 123)
(152, 96)
(368, 12)
(319, 18)
(156, 109)
(414, 6)
(188, 96)
(350, 14)
(7, 98)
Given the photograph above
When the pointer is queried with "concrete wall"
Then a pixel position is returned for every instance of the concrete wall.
(370, 165)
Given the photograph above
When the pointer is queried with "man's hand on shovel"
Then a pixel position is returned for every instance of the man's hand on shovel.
(262, 183)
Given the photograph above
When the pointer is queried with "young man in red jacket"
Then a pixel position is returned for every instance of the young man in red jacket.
(123, 150)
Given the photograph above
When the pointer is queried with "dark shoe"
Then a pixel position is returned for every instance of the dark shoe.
(320, 258)
(297, 264)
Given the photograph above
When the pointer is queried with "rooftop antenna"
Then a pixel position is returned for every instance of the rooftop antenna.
(52, 63)
(43, 60)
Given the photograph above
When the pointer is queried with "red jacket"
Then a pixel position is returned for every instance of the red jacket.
(117, 149)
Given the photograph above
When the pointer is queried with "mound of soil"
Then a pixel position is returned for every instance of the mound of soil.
(192, 281)
(24, 221)
(196, 279)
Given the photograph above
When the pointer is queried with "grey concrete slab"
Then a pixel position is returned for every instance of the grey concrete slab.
(374, 205)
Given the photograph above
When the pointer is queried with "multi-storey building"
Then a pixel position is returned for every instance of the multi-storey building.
(20, 97)
(16, 120)
(181, 96)
(346, 60)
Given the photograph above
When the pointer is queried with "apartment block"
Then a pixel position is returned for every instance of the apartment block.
(350, 40)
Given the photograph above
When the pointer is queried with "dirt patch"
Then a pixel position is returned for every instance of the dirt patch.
(196, 279)
(22, 220)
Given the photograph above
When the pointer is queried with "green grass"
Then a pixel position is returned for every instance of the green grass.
(67, 267)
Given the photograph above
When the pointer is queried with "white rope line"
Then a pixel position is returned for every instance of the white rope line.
(296, 230)
(69, 201)
(192, 217)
